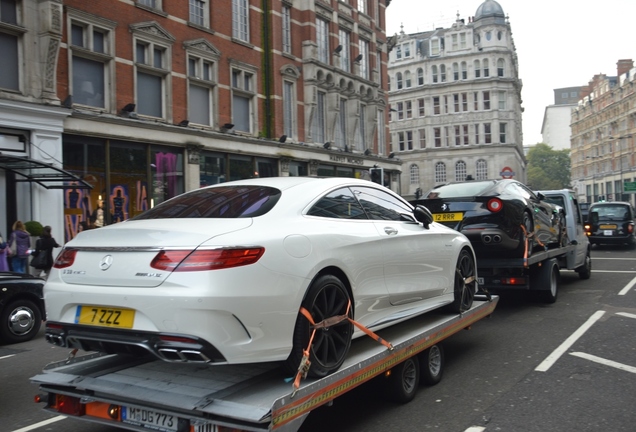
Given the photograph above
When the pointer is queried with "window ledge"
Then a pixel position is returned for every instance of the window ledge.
(200, 27)
(242, 42)
(150, 9)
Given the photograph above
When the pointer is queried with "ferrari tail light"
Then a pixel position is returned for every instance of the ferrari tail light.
(494, 205)
(203, 260)
(65, 258)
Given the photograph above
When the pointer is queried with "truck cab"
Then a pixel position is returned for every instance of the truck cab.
(579, 259)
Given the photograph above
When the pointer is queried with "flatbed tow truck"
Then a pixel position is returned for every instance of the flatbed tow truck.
(146, 394)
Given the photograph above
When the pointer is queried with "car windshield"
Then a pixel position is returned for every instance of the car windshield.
(455, 190)
(618, 212)
(226, 202)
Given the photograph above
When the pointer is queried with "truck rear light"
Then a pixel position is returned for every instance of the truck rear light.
(103, 410)
(206, 259)
(65, 258)
(69, 405)
(630, 228)
(514, 281)
(494, 205)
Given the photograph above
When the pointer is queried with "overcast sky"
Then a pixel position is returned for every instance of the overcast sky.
(560, 43)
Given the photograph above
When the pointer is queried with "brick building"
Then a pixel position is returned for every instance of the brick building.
(135, 101)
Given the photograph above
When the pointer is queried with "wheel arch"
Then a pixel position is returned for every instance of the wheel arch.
(340, 274)
(39, 302)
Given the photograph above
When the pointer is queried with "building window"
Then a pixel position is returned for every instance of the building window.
(476, 101)
(435, 47)
(91, 62)
(456, 102)
(362, 6)
(437, 133)
(422, 135)
(400, 110)
(380, 121)
(486, 69)
(477, 69)
(477, 141)
(462, 40)
(454, 41)
(240, 20)
(407, 79)
(447, 136)
(319, 124)
(414, 171)
(341, 126)
(460, 171)
(464, 71)
(398, 52)
(455, 72)
(481, 170)
(434, 72)
(464, 102)
(407, 50)
(442, 73)
(322, 39)
(487, 133)
(345, 53)
(289, 102)
(486, 100)
(364, 63)
(440, 172)
(243, 97)
(502, 133)
(445, 104)
(420, 76)
(502, 100)
(201, 89)
(500, 67)
(421, 107)
(465, 134)
(286, 23)
(361, 143)
(458, 136)
(409, 109)
(436, 109)
(151, 61)
(155, 4)
(199, 12)
(409, 140)
(398, 79)
(400, 141)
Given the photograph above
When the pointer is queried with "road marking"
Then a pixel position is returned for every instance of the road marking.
(628, 287)
(614, 259)
(475, 429)
(557, 353)
(605, 362)
(42, 423)
(625, 314)
(7, 356)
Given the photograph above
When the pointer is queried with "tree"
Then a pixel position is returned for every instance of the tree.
(548, 168)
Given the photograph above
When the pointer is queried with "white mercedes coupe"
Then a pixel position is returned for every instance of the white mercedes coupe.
(233, 273)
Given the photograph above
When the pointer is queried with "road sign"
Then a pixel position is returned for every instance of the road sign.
(507, 173)
(629, 187)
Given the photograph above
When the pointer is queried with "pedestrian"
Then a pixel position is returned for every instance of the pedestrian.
(45, 245)
(19, 245)
(4, 265)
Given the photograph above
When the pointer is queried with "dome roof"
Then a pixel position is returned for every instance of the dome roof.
(489, 8)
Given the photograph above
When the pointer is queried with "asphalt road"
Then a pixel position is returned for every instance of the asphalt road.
(529, 367)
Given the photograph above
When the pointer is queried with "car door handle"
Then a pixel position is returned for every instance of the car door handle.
(390, 230)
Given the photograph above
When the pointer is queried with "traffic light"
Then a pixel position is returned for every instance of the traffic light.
(377, 175)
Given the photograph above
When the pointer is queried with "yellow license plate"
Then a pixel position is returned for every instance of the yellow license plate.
(104, 316)
(448, 217)
(607, 227)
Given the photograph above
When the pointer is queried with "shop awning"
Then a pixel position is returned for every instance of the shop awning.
(42, 173)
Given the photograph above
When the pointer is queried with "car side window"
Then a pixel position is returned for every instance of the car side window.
(380, 205)
(339, 204)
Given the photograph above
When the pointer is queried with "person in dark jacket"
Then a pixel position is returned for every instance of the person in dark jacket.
(45, 244)
(20, 239)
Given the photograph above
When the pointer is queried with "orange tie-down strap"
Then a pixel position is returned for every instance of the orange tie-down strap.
(528, 236)
(303, 368)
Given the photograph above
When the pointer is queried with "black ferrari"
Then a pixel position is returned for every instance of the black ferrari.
(498, 215)
(21, 307)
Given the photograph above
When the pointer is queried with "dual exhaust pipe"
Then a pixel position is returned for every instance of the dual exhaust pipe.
(491, 239)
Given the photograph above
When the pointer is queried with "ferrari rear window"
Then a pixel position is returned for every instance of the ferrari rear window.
(226, 202)
(456, 190)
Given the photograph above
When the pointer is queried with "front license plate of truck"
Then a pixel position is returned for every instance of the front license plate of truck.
(149, 419)
(104, 316)
(448, 217)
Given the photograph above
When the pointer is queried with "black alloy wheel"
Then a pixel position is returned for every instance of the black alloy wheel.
(465, 283)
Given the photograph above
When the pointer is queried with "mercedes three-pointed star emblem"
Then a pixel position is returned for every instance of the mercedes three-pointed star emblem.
(106, 262)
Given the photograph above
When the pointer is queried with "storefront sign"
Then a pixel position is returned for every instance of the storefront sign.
(346, 159)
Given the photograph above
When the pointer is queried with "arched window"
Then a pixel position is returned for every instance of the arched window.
(398, 78)
(481, 170)
(434, 71)
(500, 67)
(420, 76)
(455, 72)
(464, 71)
(442, 73)
(460, 171)
(477, 69)
(415, 174)
(407, 79)
(486, 69)
(440, 172)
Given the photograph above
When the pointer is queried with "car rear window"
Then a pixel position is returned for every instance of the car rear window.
(459, 190)
(227, 202)
(616, 212)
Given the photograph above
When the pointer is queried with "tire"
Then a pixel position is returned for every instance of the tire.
(464, 293)
(402, 384)
(326, 297)
(546, 281)
(585, 271)
(432, 365)
(21, 320)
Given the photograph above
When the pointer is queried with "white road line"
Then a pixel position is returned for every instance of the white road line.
(39, 425)
(625, 314)
(615, 259)
(7, 356)
(475, 429)
(557, 353)
(628, 287)
(614, 271)
(605, 362)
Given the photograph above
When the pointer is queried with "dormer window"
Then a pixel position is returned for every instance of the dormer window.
(435, 46)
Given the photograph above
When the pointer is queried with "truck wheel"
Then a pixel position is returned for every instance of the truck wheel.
(465, 283)
(20, 321)
(327, 297)
(585, 271)
(546, 281)
(432, 365)
(402, 384)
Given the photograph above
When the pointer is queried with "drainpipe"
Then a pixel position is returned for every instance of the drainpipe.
(267, 69)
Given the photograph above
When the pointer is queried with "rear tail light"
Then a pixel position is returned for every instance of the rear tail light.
(630, 228)
(65, 258)
(494, 205)
(202, 260)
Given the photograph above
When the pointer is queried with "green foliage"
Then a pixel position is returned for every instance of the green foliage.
(34, 228)
(548, 168)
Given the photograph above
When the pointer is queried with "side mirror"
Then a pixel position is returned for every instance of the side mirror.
(423, 215)
(540, 196)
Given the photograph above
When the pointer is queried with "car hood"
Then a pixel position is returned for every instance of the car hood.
(120, 255)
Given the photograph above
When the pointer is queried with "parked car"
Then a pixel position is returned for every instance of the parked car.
(21, 307)
(611, 223)
(497, 215)
(220, 274)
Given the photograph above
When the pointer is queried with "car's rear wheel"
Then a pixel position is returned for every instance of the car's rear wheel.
(20, 321)
(465, 283)
(327, 297)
